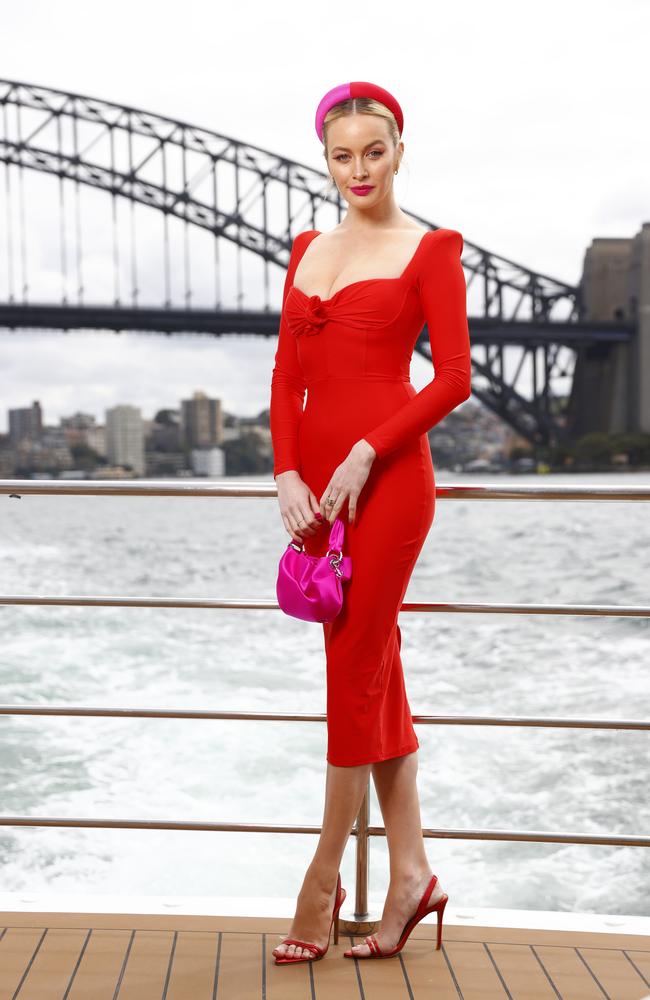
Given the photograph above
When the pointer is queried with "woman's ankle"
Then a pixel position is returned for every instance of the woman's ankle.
(410, 873)
(324, 874)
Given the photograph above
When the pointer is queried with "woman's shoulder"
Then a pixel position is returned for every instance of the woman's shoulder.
(441, 257)
(299, 244)
(449, 241)
(303, 238)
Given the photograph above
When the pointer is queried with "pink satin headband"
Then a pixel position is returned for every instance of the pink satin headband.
(359, 88)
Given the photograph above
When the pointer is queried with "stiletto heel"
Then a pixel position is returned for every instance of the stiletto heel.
(442, 903)
(318, 952)
(422, 910)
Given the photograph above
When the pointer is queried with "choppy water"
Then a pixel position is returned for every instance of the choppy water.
(492, 551)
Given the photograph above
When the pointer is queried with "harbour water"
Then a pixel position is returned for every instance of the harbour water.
(470, 777)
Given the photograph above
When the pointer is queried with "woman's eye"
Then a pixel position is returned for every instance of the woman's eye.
(379, 152)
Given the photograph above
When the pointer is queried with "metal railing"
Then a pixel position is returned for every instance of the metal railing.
(362, 829)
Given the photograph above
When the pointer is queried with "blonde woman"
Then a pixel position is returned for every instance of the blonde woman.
(355, 301)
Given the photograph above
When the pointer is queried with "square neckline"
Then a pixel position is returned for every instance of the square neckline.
(363, 281)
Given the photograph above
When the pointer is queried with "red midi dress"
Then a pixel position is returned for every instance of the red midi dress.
(352, 355)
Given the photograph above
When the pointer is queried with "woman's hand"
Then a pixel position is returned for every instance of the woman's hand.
(348, 479)
(298, 505)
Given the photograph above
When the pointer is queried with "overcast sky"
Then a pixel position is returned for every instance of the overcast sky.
(525, 127)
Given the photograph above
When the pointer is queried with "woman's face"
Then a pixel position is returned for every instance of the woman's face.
(360, 152)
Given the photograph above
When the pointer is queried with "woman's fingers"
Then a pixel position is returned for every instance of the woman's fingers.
(333, 510)
(326, 509)
(296, 508)
(308, 521)
(302, 523)
(316, 512)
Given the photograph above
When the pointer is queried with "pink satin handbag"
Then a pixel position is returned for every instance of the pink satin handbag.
(311, 587)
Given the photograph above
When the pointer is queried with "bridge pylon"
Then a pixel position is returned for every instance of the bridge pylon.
(611, 383)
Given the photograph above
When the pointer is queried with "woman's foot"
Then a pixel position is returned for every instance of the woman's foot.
(401, 903)
(313, 915)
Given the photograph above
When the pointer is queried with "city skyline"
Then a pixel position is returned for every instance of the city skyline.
(125, 439)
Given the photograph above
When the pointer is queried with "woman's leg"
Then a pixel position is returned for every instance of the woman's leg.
(410, 872)
(344, 789)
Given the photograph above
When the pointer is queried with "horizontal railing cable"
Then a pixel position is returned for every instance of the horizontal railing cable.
(262, 604)
(215, 488)
(231, 716)
(530, 836)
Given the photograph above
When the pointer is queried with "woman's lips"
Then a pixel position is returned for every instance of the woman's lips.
(363, 189)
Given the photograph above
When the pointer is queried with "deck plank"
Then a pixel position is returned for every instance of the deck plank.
(100, 964)
(17, 948)
(641, 961)
(474, 970)
(570, 975)
(429, 970)
(195, 966)
(144, 973)
(521, 972)
(50, 969)
(240, 966)
(334, 975)
(614, 973)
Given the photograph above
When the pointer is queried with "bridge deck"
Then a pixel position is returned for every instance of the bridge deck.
(86, 956)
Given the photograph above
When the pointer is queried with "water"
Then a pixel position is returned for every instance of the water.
(477, 551)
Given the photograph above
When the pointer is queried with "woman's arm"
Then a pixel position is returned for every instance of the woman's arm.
(287, 385)
(443, 293)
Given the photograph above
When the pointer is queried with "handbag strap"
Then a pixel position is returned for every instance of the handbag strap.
(336, 534)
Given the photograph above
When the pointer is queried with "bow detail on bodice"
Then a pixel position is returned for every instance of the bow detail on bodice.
(314, 315)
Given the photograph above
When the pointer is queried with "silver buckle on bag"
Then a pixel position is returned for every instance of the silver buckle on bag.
(335, 560)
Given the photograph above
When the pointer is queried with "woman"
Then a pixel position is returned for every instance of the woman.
(355, 301)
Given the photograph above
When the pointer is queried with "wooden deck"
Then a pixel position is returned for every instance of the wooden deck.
(86, 956)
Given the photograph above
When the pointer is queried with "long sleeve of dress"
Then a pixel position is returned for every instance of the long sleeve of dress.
(443, 294)
(288, 386)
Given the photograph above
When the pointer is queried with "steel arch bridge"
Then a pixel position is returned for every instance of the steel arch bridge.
(221, 201)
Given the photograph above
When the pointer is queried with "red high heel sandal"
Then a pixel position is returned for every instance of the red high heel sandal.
(318, 952)
(422, 910)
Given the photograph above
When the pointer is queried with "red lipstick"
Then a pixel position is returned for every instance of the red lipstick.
(363, 188)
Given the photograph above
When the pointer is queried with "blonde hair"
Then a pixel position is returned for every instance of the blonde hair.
(360, 106)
